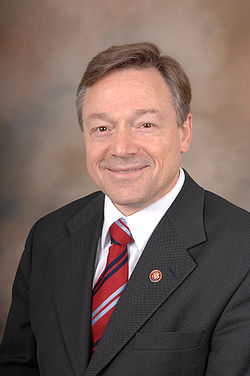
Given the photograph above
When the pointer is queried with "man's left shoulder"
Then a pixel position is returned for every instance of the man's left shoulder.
(223, 206)
(226, 216)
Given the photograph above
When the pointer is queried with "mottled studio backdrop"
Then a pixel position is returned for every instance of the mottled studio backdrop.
(45, 45)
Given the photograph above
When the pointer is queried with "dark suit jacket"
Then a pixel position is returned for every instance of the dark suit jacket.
(195, 321)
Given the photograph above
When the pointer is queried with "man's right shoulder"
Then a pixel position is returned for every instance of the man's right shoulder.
(71, 209)
(53, 226)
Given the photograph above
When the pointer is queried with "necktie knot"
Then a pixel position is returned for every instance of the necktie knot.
(120, 233)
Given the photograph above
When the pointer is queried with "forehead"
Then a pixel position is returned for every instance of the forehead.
(128, 88)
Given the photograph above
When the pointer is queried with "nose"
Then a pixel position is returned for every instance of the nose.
(123, 142)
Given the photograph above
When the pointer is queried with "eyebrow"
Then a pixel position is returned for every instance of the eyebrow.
(99, 115)
(142, 111)
(138, 112)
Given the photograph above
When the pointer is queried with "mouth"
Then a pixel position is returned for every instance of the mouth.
(126, 171)
(123, 173)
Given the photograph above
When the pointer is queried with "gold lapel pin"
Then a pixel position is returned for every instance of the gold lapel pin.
(155, 275)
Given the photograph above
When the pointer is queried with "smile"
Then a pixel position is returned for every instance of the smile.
(127, 171)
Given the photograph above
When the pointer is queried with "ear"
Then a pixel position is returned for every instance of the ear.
(186, 134)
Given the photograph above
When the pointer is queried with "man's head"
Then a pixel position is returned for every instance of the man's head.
(139, 56)
(136, 123)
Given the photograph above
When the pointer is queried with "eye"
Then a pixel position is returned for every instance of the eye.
(98, 130)
(101, 129)
(147, 125)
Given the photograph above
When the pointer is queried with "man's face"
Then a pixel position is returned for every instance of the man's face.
(133, 143)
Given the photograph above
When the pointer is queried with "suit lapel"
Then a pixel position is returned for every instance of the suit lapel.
(166, 251)
(75, 258)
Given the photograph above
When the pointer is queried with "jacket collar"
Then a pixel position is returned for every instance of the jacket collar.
(186, 213)
(74, 260)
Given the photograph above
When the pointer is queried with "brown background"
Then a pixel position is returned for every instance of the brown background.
(45, 45)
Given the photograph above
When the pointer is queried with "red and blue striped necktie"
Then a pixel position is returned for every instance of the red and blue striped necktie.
(112, 281)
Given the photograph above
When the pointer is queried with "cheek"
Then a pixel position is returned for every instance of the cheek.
(94, 156)
(165, 153)
(158, 149)
(90, 157)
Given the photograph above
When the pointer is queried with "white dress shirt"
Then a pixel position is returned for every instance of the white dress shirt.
(141, 225)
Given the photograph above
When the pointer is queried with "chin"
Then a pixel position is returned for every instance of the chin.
(125, 201)
(127, 204)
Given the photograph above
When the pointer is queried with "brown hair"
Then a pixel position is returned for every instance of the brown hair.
(139, 55)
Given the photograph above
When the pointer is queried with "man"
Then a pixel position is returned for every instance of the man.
(151, 276)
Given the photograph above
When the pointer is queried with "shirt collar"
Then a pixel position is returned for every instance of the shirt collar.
(139, 224)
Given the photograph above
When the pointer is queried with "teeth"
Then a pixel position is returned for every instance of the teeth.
(127, 171)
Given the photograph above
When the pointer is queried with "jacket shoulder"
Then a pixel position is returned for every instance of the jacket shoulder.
(69, 210)
(53, 227)
(223, 206)
(222, 216)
